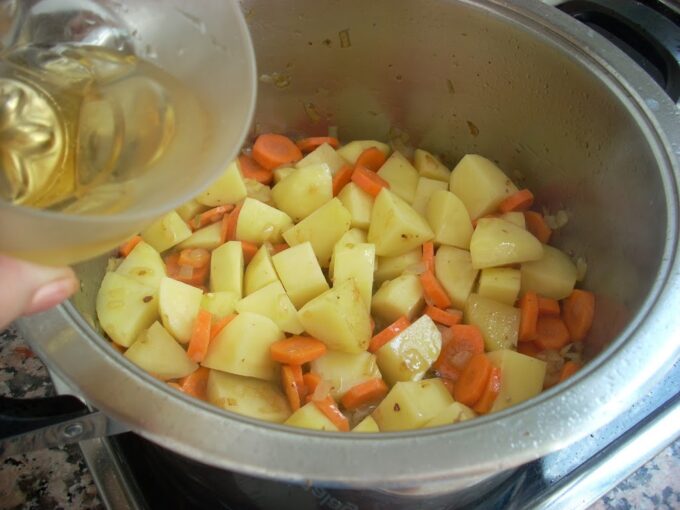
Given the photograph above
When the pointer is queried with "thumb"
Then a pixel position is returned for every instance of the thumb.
(29, 288)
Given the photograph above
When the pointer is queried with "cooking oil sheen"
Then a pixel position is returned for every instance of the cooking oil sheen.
(79, 124)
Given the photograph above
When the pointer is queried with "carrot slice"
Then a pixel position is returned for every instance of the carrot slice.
(428, 256)
(220, 324)
(462, 343)
(569, 369)
(434, 291)
(251, 169)
(528, 349)
(578, 312)
(229, 224)
(210, 216)
(364, 393)
(194, 257)
(472, 381)
(279, 247)
(297, 350)
(537, 226)
(388, 333)
(196, 383)
(551, 333)
(249, 251)
(311, 381)
(129, 245)
(521, 200)
(196, 276)
(272, 150)
(311, 143)
(371, 158)
(528, 307)
(491, 391)
(548, 306)
(369, 181)
(200, 336)
(328, 407)
(290, 387)
(446, 317)
(342, 178)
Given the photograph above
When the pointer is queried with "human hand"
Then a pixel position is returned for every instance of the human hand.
(27, 288)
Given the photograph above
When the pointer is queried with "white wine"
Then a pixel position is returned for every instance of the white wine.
(80, 125)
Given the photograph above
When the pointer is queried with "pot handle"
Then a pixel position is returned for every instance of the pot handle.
(649, 35)
(32, 424)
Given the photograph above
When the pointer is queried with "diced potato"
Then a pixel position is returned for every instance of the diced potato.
(500, 284)
(367, 425)
(226, 268)
(323, 154)
(358, 203)
(553, 275)
(125, 308)
(157, 352)
(229, 188)
(351, 237)
(178, 304)
(401, 296)
(339, 318)
(498, 322)
(430, 167)
(143, 264)
(449, 220)
(411, 404)
(352, 150)
(395, 227)
(454, 413)
(220, 304)
(309, 417)
(259, 191)
(282, 172)
(300, 273)
(401, 175)
(189, 209)
(515, 217)
(259, 272)
(454, 271)
(304, 191)
(356, 261)
(247, 396)
(273, 302)
(259, 223)
(209, 238)
(388, 268)
(496, 242)
(166, 232)
(410, 354)
(480, 184)
(242, 347)
(344, 370)
(521, 377)
(426, 187)
(323, 228)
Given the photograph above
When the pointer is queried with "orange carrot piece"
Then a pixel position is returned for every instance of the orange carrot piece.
(290, 387)
(129, 245)
(528, 349)
(521, 200)
(491, 391)
(311, 381)
(369, 181)
(210, 216)
(342, 178)
(548, 306)
(388, 333)
(446, 317)
(578, 311)
(200, 336)
(251, 169)
(428, 256)
(551, 333)
(568, 369)
(364, 393)
(537, 226)
(196, 276)
(371, 158)
(229, 224)
(528, 307)
(174, 385)
(311, 143)
(272, 150)
(196, 383)
(434, 291)
(249, 251)
(220, 324)
(472, 381)
(328, 407)
(279, 247)
(297, 350)
(194, 257)
(463, 342)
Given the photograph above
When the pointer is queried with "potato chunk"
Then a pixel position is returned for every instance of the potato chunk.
(356, 261)
(300, 273)
(426, 187)
(309, 417)
(226, 268)
(409, 355)
(500, 284)
(143, 264)
(259, 272)
(351, 237)
(388, 268)
(496, 242)
(324, 154)
(401, 296)
(430, 167)
(259, 223)
(401, 176)
(411, 404)
(352, 150)
(219, 304)
(344, 370)
(229, 188)
(304, 191)
(521, 377)
(358, 203)
(188, 210)
(454, 413)
(454, 270)
(368, 424)
(498, 322)
(178, 304)
(553, 275)
(209, 237)
(166, 232)
(449, 220)
(157, 352)
(273, 302)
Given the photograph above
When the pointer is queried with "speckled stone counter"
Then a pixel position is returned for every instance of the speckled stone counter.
(59, 479)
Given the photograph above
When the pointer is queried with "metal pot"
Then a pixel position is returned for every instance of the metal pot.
(519, 82)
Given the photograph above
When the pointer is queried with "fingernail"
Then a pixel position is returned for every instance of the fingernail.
(52, 294)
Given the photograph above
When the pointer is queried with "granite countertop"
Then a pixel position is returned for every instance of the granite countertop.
(58, 478)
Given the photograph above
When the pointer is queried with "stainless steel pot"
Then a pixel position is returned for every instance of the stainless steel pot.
(520, 82)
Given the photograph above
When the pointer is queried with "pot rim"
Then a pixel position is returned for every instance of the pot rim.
(512, 437)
